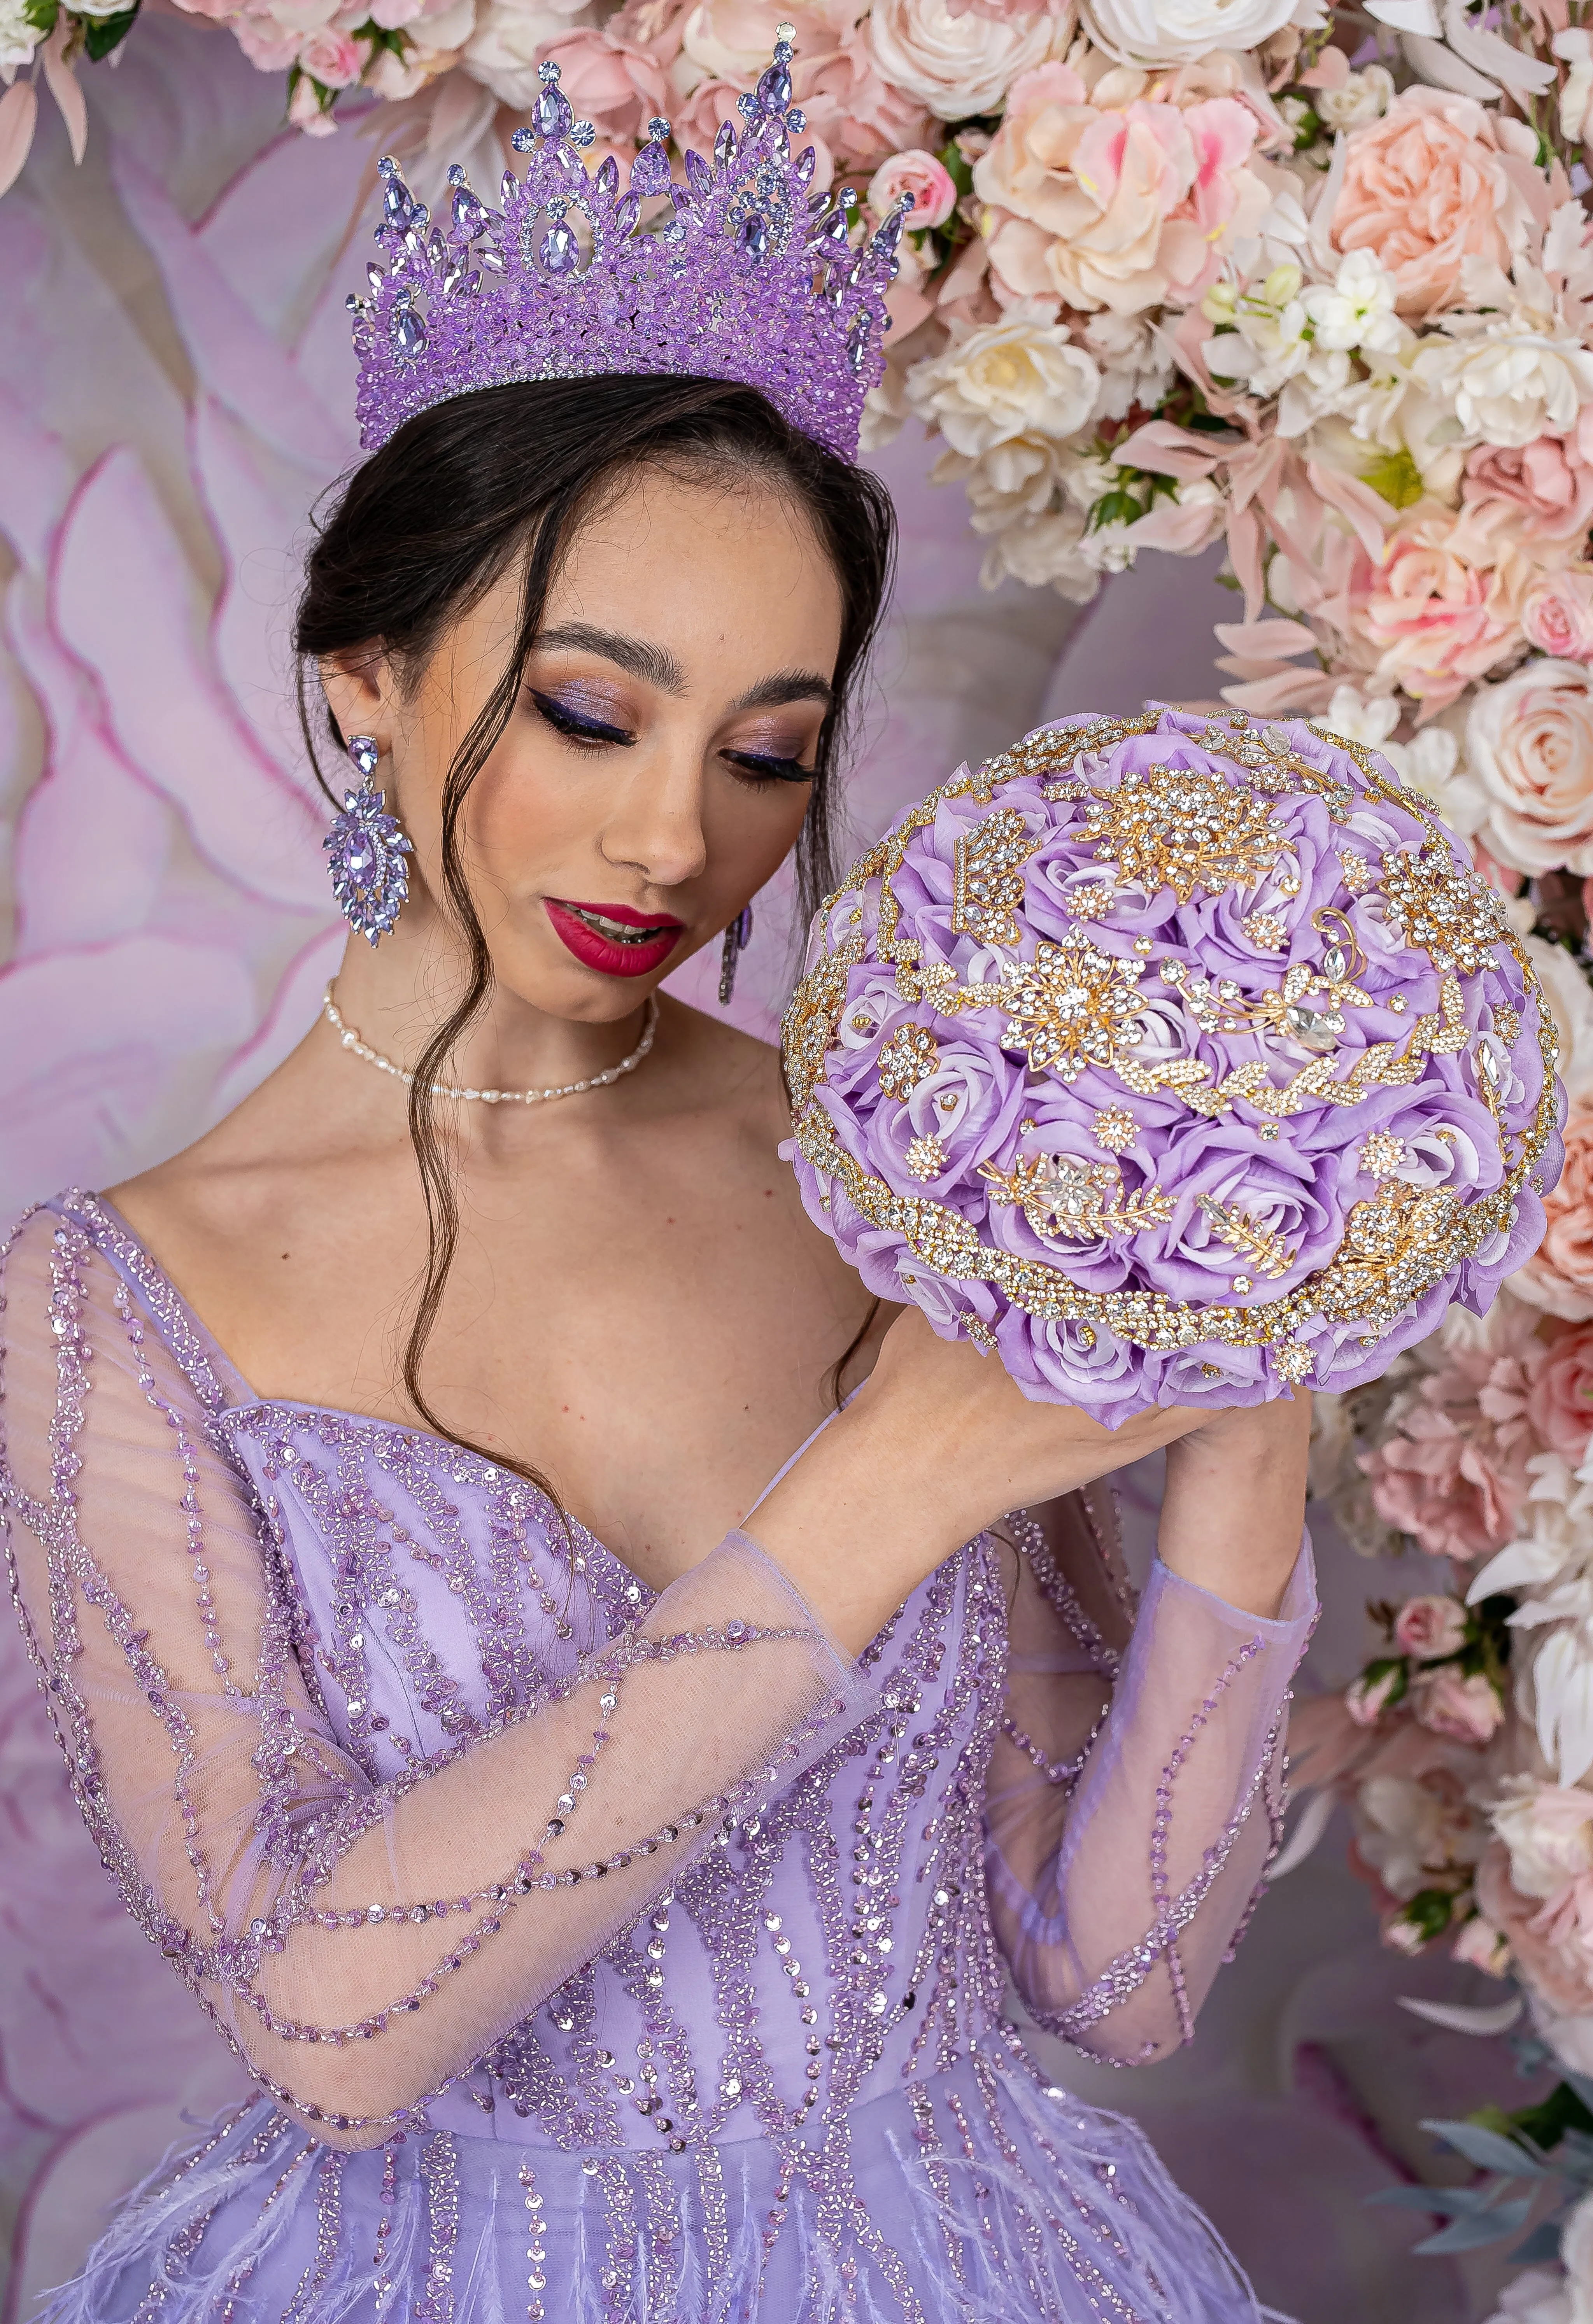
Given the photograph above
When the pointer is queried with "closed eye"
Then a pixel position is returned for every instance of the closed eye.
(579, 726)
(766, 769)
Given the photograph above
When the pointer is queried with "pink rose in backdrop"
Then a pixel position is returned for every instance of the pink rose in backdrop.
(1451, 1470)
(333, 58)
(1467, 1710)
(1556, 615)
(1435, 621)
(920, 174)
(1427, 1628)
(1542, 491)
(1425, 188)
(1117, 208)
(1559, 1276)
(1562, 1405)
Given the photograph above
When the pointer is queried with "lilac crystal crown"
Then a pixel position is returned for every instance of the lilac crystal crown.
(745, 275)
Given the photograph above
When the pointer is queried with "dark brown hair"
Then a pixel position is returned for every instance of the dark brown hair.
(435, 519)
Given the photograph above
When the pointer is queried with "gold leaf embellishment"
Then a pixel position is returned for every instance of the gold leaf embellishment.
(1083, 1200)
(1436, 907)
(1266, 1249)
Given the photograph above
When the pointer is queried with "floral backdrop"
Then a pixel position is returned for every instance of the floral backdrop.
(1304, 294)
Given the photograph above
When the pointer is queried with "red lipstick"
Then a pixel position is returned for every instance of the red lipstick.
(613, 938)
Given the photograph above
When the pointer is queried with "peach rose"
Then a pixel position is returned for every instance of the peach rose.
(1468, 1709)
(1529, 741)
(1426, 188)
(1428, 1629)
(1552, 1940)
(1125, 207)
(1559, 1276)
(920, 174)
(1556, 615)
(1562, 1408)
(1436, 621)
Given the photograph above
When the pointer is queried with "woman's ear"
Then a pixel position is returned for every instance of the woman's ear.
(357, 687)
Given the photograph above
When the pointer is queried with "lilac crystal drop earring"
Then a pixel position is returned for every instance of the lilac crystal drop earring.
(738, 936)
(366, 849)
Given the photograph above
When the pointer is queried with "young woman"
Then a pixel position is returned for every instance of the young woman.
(597, 1787)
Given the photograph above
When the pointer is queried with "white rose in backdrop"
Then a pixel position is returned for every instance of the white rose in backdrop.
(1529, 742)
(1505, 386)
(958, 65)
(1180, 32)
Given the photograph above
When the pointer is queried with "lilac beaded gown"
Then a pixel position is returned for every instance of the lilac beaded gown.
(716, 2031)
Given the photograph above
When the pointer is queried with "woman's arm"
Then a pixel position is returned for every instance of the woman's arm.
(1134, 1796)
(361, 1944)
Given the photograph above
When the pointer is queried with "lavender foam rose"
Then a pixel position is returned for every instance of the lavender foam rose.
(1177, 1060)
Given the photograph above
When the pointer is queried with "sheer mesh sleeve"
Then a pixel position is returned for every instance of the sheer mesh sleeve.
(360, 1942)
(1134, 1791)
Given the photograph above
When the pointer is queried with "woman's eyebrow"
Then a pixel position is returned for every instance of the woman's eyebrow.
(653, 664)
(787, 685)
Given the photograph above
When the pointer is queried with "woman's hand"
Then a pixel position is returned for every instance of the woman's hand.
(1234, 1504)
(937, 1445)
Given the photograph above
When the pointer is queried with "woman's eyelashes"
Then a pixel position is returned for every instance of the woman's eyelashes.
(581, 727)
(767, 767)
(578, 725)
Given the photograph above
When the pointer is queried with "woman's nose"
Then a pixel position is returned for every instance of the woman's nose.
(656, 826)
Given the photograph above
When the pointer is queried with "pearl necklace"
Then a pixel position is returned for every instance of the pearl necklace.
(351, 1041)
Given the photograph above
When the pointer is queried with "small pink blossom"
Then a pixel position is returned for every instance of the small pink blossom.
(1428, 1629)
(1366, 1699)
(1481, 1945)
(1556, 615)
(332, 59)
(920, 174)
(1468, 1709)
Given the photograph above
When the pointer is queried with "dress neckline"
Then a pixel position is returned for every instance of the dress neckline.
(231, 1397)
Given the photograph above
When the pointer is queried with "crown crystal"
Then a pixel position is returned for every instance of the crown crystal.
(740, 273)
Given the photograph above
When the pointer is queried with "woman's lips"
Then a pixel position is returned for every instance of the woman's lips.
(612, 938)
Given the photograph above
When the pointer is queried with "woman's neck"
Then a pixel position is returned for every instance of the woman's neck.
(395, 997)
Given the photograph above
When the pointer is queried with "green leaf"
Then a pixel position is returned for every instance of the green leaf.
(1115, 508)
(1430, 1910)
(1487, 2149)
(41, 14)
(101, 34)
(1482, 2227)
(957, 166)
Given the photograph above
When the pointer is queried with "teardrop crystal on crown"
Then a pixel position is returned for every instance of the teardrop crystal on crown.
(742, 272)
